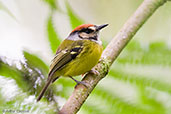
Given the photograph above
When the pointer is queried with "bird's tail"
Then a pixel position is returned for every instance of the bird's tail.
(44, 89)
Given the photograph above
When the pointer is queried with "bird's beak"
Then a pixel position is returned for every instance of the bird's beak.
(101, 26)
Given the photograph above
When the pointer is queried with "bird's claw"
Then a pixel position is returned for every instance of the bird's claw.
(81, 82)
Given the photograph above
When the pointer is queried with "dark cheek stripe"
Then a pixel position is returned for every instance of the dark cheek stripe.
(80, 36)
(94, 38)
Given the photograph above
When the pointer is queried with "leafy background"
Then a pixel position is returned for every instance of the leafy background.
(138, 82)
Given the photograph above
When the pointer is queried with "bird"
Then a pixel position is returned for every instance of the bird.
(76, 55)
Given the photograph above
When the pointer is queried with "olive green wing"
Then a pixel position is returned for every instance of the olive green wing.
(63, 57)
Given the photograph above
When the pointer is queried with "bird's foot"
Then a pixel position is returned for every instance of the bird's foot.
(79, 82)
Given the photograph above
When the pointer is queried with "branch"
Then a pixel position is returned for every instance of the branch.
(134, 23)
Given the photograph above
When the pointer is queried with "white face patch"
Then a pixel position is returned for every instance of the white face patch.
(84, 35)
(92, 28)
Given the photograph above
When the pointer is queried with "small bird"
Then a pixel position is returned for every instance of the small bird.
(76, 55)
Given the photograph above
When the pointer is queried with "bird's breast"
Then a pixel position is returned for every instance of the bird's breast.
(85, 61)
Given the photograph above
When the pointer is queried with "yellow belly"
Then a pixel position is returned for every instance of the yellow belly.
(84, 62)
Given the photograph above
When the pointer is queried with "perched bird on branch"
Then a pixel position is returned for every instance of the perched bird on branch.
(76, 55)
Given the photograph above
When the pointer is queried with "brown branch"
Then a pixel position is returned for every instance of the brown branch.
(134, 23)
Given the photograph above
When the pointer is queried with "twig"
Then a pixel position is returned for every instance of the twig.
(134, 23)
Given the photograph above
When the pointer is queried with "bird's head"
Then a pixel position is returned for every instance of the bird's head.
(86, 32)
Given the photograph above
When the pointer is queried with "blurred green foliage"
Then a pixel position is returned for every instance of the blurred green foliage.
(74, 20)
(34, 61)
(53, 37)
(4, 8)
(144, 56)
(52, 3)
(14, 73)
(104, 100)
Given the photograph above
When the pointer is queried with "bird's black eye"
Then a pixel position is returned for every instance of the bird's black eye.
(88, 31)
